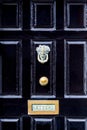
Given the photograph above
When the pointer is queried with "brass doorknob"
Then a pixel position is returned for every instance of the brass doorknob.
(43, 81)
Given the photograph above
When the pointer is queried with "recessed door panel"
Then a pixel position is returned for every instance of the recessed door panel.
(75, 16)
(76, 124)
(10, 68)
(9, 124)
(43, 15)
(75, 68)
(37, 67)
(11, 16)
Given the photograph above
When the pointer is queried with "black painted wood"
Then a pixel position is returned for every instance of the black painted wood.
(62, 26)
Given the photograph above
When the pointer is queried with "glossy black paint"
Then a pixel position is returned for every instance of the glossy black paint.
(20, 70)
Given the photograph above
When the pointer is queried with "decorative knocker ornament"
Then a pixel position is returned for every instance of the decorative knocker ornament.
(42, 53)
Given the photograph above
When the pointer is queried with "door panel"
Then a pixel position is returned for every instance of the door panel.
(37, 68)
(75, 15)
(10, 69)
(43, 15)
(75, 68)
(76, 124)
(11, 15)
(43, 123)
(9, 124)
(43, 38)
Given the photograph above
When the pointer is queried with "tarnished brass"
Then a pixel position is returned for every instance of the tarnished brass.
(43, 81)
(43, 107)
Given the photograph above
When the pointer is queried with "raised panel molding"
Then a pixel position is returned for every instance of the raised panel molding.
(9, 124)
(75, 123)
(10, 80)
(11, 16)
(43, 123)
(75, 15)
(43, 15)
(75, 69)
(39, 70)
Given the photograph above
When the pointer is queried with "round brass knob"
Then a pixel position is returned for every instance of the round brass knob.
(43, 81)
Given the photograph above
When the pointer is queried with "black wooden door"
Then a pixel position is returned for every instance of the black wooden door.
(43, 56)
